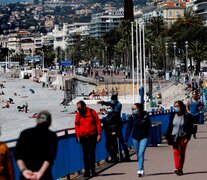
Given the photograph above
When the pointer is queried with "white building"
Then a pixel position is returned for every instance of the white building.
(104, 22)
(3, 41)
(61, 36)
(41, 40)
(54, 3)
(200, 7)
(77, 32)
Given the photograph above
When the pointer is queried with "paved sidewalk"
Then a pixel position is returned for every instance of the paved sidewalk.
(159, 163)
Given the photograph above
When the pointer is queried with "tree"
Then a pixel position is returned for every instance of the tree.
(198, 52)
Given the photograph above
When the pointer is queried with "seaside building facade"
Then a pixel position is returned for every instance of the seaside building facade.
(104, 22)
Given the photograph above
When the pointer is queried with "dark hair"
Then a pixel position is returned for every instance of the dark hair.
(48, 120)
(182, 106)
(114, 97)
(82, 103)
(140, 106)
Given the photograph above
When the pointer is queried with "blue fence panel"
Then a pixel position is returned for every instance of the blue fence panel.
(69, 157)
(201, 118)
(101, 152)
(163, 118)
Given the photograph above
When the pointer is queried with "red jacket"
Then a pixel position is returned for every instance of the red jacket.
(88, 125)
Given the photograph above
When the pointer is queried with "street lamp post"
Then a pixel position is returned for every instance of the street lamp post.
(132, 31)
(43, 62)
(174, 46)
(186, 49)
(166, 63)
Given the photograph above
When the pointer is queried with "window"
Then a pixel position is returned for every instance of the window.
(170, 14)
(177, 13)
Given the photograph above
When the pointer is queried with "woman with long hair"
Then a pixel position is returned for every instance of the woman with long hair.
(179, 133)
(139, 124)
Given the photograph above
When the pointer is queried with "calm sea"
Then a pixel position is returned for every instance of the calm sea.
(14, 1)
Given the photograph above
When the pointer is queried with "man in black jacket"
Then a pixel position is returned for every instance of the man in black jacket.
(36, 150)
(117, 107)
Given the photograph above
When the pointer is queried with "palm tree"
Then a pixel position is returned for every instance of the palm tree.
(198, 52)
(125, 31)
(156, 26)
(188, 19)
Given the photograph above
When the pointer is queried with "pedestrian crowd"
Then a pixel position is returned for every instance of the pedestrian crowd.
(36, 147)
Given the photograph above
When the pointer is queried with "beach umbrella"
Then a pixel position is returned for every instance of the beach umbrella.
(32, 91)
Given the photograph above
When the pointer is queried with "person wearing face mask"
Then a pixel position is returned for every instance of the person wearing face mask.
(178, 134)
(88, 133)
(111, 128)
(117, 107)
(6, 167)
(139, 125)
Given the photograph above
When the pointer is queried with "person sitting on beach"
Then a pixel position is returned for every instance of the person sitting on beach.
(2, 93)
(6, 106)
(11, 101)
(2, 86)
(21, 108)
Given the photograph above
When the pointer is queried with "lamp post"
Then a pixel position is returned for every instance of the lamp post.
(137, 56)
(186, 49)
(174, 46)
(43, 62)
(166, 63)
(132, 31)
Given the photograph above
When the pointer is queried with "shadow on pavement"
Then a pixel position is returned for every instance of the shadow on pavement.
(111, 174)
(201, 138)
(199, 172)
(159, 174)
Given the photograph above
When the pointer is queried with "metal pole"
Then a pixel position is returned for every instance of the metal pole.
(132, 31)
(174, 55)
(137, 50)
(144, 61)
(186, 47)
(166, 63)
(43, 61)
(140, 52)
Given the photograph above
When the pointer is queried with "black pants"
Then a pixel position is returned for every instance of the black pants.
(123, 144)
(89, 148)
(111, 145)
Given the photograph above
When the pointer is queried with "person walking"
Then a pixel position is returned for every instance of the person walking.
(88, 133)
(36, 149)
(117, 107)
(111, 127)
(178, 134)
(193, 106)
(6, 167)
(139, 124)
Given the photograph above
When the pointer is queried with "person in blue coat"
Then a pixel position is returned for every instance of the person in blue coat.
(139, 125)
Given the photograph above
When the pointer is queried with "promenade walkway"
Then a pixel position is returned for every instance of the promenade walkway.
(159, 164)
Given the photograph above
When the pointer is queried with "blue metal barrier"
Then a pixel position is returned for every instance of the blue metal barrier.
(162, 117)
(155, 136)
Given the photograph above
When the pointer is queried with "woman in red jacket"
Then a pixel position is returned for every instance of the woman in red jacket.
(88, 133)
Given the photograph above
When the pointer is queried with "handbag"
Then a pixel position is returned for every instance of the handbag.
(172, 140)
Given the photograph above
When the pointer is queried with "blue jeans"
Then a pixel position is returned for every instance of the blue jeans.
(140, 147)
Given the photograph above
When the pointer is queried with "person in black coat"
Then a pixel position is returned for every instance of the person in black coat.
(36, 150)
(111, 127)
(178, 134)
(139, 124)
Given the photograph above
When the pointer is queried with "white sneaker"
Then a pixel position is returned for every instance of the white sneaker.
(140, 173)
